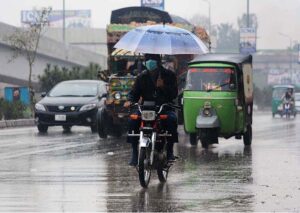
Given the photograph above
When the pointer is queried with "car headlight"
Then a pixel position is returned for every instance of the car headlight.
(118, 96)
(88, 107)
(40, 107)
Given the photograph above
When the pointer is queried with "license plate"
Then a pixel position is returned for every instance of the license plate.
(60, 117)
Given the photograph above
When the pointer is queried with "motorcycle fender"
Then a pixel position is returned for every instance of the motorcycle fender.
(207, 122)
(144, 142)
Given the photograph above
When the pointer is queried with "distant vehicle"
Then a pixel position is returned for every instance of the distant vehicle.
(297, 102)
(277, 95)
(70, 103)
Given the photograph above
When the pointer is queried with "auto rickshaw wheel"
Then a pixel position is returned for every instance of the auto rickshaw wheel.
(193, 139)
(204, 142)
(248, 136)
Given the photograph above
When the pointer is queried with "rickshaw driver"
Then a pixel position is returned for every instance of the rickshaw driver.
(154, 84)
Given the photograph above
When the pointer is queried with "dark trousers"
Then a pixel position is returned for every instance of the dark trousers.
(170, 125)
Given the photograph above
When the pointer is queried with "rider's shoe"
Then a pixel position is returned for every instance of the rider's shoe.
(170, 153)
(134, 156)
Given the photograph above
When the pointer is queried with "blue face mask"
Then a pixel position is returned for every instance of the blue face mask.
(151, 65)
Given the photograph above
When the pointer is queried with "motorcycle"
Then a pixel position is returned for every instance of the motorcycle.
(152, 142)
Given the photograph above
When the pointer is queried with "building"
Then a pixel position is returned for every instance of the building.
(50, 51)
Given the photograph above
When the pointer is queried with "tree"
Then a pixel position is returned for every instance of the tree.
(26, 41)
(227, 38)
(199, 20)
(242, 22)
(55, 74)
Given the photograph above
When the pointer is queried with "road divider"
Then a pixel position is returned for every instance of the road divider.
(16, 123)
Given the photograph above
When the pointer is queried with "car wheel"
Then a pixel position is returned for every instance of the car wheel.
(67, 128)
(42, 128)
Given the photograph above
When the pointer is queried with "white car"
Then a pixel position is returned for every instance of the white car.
(297, 102)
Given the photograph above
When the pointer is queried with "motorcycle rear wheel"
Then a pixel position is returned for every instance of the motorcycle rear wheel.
(143, 170)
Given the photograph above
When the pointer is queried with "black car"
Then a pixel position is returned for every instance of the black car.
(70, 103)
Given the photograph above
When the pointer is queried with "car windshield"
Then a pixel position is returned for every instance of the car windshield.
(74, 90)
(218, 79)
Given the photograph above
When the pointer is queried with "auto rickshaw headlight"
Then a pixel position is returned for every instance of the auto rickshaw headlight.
(117, 96)
(206, 112)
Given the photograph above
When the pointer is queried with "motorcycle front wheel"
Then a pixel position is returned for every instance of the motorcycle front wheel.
(144, 168)
(162, 174)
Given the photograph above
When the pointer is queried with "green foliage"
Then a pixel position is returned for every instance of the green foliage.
(242, 21)
(54, 74)
(12, 110)
(227, 39)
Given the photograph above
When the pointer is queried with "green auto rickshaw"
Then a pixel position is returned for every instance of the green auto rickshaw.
(277, 98)
(218, 98)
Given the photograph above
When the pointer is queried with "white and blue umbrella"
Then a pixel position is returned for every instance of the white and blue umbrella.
(161, 39)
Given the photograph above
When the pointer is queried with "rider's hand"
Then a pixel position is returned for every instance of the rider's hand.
(127, 104)
(159, 83)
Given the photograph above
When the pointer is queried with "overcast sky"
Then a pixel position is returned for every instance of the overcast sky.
(274, 16)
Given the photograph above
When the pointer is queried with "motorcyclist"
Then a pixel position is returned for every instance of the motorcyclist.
(157, 84)
(288, 98)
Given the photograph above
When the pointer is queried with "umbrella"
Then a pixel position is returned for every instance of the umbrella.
(161, 39)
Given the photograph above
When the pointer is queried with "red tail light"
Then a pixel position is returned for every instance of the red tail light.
(163, 117)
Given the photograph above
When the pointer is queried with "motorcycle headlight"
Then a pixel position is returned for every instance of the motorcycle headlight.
(40, 107)
(88, 107)
(148, 115)
(118, 96)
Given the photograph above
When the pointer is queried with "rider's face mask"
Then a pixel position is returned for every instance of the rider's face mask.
(151, 64)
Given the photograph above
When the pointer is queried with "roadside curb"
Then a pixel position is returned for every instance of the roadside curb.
(16, 123)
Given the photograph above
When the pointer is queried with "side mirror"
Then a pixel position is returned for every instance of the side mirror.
(43, 94)
(104, 95)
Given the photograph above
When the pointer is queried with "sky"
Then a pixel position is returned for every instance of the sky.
(278, 20)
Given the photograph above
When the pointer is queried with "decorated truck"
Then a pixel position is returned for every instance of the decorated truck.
(123, 66)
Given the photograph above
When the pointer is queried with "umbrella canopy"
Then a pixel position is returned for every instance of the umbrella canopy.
(161, 39)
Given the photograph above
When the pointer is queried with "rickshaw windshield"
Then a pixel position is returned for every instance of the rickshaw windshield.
(212, 78)
(279, 92)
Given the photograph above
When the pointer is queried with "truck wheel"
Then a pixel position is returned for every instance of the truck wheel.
(42, 128)
(193, 139)
(94, 128)
(102, 129)
(248, 136)
(117, 131)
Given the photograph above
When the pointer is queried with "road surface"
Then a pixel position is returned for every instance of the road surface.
(79, 172)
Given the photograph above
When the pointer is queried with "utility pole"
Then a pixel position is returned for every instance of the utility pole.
(290, 53)
(248, 16)
(64, 23)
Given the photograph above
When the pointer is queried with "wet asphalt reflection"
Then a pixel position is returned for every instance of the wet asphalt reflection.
(77, 171)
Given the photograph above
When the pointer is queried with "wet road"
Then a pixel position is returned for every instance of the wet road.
(79, 172)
